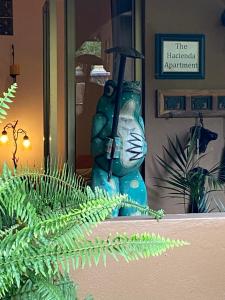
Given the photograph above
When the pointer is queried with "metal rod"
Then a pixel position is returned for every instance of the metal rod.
(116, 111)
(13, 54)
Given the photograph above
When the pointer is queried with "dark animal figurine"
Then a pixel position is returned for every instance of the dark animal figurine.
(204, 135)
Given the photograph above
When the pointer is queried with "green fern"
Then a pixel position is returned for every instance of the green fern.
(45, 260)
(7, 99)
(38, 287)
(55, 290)
(36, 244)
(54, 189)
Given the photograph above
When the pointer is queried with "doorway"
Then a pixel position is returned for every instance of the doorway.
(100, 24)
(90, 28)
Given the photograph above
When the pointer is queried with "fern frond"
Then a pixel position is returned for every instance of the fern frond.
(39, 287)
(8, 231)
(7, 99)
(15, 206)
(16, 209)
(144, 210)
(89, 297)
(54, 188)
(80, 222)
(46, 260)
(61, 229)
(129, 247)
(48, 290)
(30, 193)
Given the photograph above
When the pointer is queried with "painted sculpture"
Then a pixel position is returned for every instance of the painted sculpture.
(129, 144)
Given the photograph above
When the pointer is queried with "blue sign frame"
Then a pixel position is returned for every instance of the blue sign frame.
(159, 51)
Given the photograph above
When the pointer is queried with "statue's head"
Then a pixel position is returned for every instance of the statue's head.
(130, 98)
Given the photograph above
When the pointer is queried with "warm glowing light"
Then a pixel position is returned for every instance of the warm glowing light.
(4, 137)
(26, 141)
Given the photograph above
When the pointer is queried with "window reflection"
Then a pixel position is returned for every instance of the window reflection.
(96, 32)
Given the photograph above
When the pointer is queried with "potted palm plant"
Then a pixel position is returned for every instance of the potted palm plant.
(186, 179)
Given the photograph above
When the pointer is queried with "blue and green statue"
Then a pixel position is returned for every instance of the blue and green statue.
(129, 144)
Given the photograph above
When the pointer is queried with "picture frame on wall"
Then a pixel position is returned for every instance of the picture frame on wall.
(6, 17)
(179, 56)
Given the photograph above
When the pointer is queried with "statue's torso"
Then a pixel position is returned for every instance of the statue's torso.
(132, 138)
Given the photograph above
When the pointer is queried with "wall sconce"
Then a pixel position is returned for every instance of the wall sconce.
(4, 139)
(14, 68)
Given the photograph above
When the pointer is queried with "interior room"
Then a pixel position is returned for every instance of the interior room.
(55, 68)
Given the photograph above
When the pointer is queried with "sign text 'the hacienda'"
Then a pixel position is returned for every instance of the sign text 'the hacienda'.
(180, 56)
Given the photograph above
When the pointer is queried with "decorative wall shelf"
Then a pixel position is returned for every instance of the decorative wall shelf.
(189, 103)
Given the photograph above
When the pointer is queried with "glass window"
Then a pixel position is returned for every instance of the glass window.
(99, 25)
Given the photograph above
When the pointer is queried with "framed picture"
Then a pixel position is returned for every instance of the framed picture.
(6, 26)
(179, 56)
(6, 8)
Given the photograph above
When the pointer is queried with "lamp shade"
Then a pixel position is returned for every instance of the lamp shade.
(26, 142)
(4, 137)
